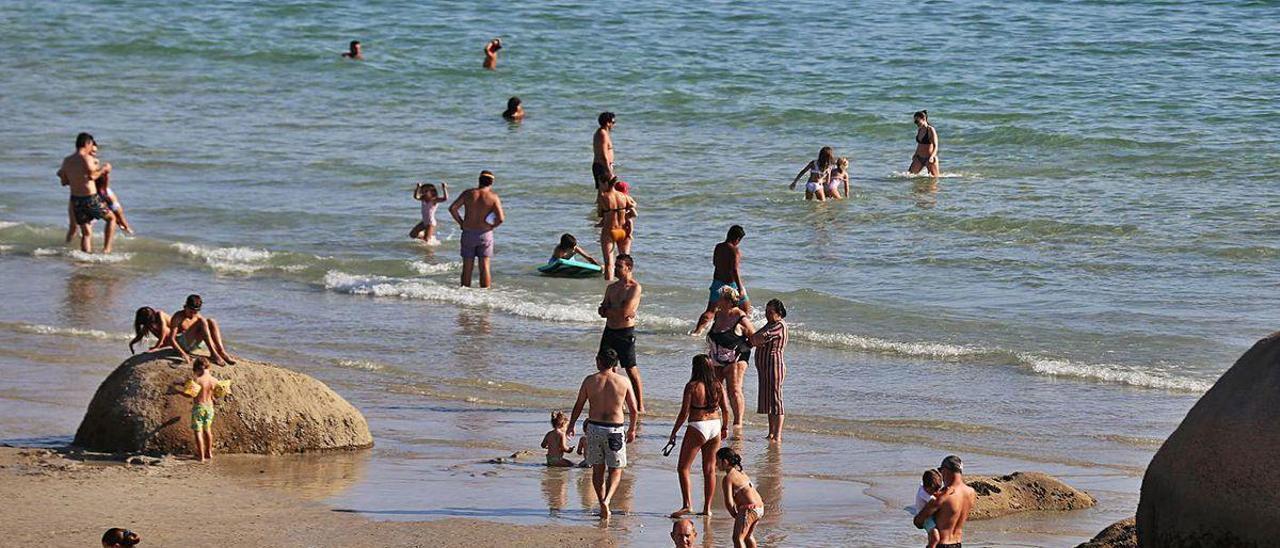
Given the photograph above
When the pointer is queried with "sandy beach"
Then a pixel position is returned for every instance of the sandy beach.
(57, 501)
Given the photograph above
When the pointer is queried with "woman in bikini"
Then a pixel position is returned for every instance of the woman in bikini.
(614, 208)
(819, 173)
(740, 498)
(926, 155)
(704, 407)
(729, 348)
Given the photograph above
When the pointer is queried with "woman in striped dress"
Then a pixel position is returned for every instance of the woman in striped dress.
(771, 369)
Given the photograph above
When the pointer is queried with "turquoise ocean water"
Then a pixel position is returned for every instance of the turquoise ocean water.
(1102, 245)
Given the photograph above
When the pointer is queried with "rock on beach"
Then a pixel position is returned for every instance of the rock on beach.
(1023, 492)
(270, 410)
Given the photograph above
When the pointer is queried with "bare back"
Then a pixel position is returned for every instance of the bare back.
(725, 258)
(477, 204)
(953, 511)
(77, 172)
(207, 383)
(612, 207)
(607, 396)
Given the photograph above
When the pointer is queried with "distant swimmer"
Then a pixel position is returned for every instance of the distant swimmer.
(483, 213)
(609, 397)
(926, 155)
(491, 53)
(618, 308)
(725, 258)
(568, 249)
(602, 147)
(819, 174)
(427, 196)
(514, 112)
(740, 498)
(81, 171)
(684, 534)
(949, 507)
(703, 405)
(354, 51)
(839, 178)
(615, 211)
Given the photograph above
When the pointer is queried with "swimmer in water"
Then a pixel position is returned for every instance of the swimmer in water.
(926, 155)
(491, 54)
(568, 249)
(354, 51)
(426, 194)
(819, 173)
(514, 112)
(839, 177)
(614, 208)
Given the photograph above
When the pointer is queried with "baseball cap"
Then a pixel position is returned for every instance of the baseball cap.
(953, 464)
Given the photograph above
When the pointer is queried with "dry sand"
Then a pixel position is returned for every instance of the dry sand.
(53, 499)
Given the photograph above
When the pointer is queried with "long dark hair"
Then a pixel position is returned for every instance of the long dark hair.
(703, 373)
(730, 456)
(826, 157)
(142, 319)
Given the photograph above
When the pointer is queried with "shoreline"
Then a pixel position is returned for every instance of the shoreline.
(70, 502)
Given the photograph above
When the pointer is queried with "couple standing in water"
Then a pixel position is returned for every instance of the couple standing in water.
(829, 175)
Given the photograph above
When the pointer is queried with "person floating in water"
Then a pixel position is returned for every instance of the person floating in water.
(568, 249)
(81, 171)
(491, 53)
(602, 148)
(926, 155)
(426, 194)
(819, 174)
(478, 211)
(514, 112)
(354, 51)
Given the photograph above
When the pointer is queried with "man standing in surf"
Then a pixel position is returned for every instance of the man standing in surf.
(949, 508)
(621, 300)
(725, 258)
(81, 171)
(483, 214)
(602, 146)
(610, 397)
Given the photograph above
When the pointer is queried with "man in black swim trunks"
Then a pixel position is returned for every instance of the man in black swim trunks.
(602, 145)
(621, 300)
(81, 171)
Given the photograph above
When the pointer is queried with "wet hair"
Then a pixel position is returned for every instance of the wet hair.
(116, 536)
(200, 365)
(736, 232)
(567, 241)
(920, 115)
(605, 117)
(83, 140)
(826, 157)
(842, 163)
(703, 372)
(428, 187)
(194, 302)
(486, 178)
(558, 419)
(353, 44)
(624, 258)
(730, 456)
(931, 480)
(607, 357)
(512, 104)
(778, 306)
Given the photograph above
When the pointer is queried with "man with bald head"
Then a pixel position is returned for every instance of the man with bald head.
(684, 534)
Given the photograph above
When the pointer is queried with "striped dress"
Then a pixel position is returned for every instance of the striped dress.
(771, 369)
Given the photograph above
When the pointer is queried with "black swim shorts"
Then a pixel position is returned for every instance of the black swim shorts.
(622, 341)
(600, 173)
(88, 208)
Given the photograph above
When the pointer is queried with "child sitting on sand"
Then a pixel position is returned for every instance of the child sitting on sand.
(201, 390)
(740, 498)
(930, 484)
(569, 249)
(426, 194)
(556, 442)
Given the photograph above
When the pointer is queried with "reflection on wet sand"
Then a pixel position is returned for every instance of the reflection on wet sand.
(314, 476)
(769, 485)
(555, 487)
(91, 295)
(623, 498)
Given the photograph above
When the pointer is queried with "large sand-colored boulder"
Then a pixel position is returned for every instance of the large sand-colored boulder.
(1024, 492)
(1214, 481)
(270, 410)
(1121, 534)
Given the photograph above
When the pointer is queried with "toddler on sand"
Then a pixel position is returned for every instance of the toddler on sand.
(930, 484)
(556, 442)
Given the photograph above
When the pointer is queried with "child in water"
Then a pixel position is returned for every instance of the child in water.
(839, 178)
(740, 498)
(930, 485)
(569, 249)
(202, 407)
(556, 442)
(426, 194)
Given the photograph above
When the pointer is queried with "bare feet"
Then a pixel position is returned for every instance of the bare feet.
(604, 511)
(681, 512)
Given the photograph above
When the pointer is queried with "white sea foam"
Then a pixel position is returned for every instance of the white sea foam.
(239, 260)
(873, 344)
(511, 302)
(925, 175)
(8, 224)
(45, 252)
(82, 257)
(70, 332)
(1117, 374)
(363, 365)
(426, 269)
